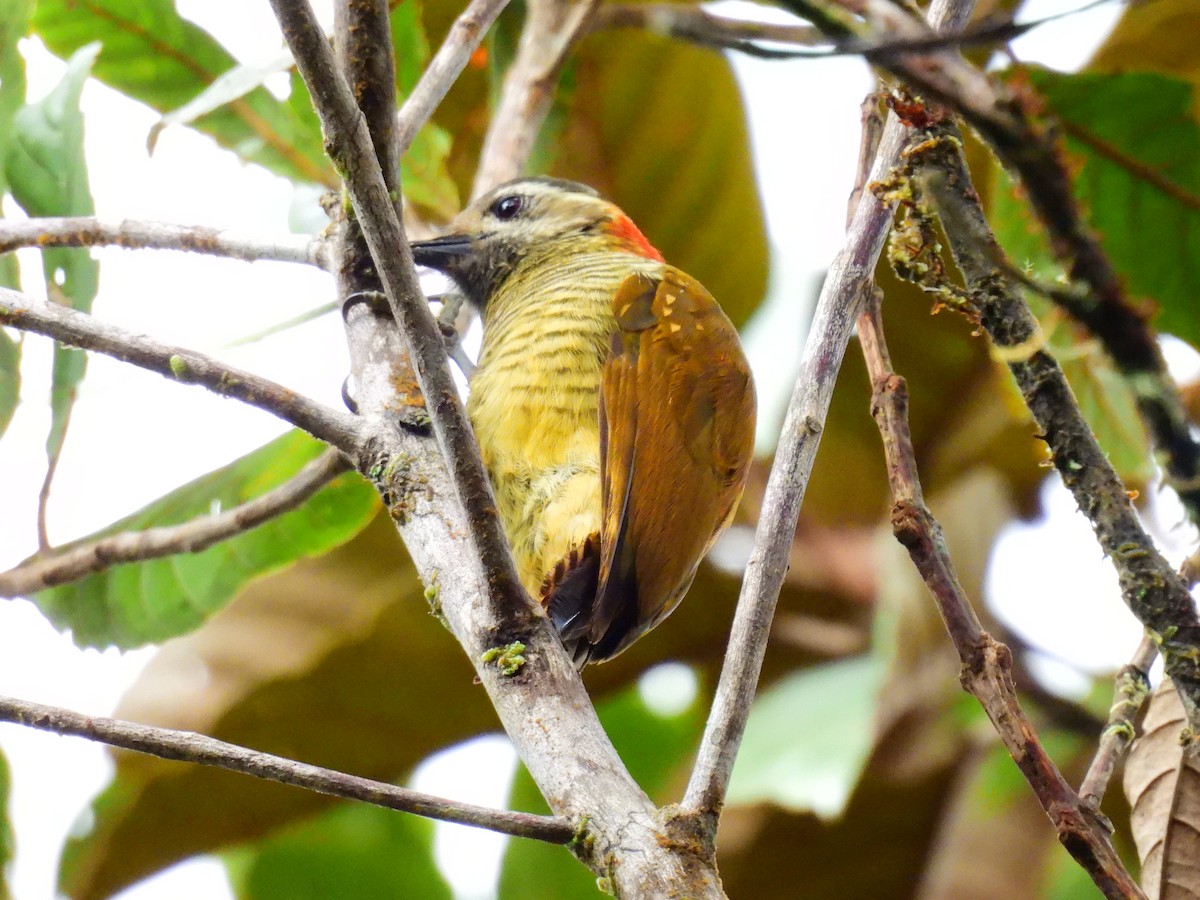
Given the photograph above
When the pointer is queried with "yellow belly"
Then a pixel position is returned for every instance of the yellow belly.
(535, 408)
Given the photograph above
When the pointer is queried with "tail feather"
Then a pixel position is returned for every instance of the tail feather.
(569, 595)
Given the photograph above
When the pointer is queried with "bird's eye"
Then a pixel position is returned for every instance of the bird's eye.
(507, 207)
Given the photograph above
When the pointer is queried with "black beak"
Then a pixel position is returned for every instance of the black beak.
(442, 253)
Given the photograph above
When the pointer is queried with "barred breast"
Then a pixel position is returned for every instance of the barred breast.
(534, 401)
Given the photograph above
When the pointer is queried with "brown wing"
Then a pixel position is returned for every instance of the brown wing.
(677, 434)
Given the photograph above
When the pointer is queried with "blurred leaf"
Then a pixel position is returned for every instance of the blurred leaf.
(809, 736)
(7, 844)
(656, 749)
(14, 21)
(155, 56)
(1104, 396)
(10, 379)
(14, 17)
(659, 126)
(353, 850)
(877, 849)
(1141, 180)
(47, 172)
(995, 841)
(1154, 37)
(1137, 149)
(1162, 782)
(423, 174)
(138, 603)
(231, 85)
(45, 161)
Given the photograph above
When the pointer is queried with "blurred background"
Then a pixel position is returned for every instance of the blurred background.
(865, 772)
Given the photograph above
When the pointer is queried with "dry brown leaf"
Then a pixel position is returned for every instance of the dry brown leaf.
(1162, 783)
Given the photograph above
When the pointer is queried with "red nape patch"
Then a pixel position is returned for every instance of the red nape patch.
(623, 229)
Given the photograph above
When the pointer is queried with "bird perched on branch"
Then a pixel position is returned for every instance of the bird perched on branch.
(612, 404)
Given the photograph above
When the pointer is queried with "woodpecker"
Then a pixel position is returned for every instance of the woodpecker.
(612, 403)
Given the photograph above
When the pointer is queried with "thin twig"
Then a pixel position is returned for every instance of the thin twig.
(868, 145)
(849, 278)
(698, 25)
(187, 746)
(132, 234)
(53, 455)
(1150, 586)
(77, 329)
(551, 29)
(72, 563)
(986, 663)
(447, 64)
(1032, 151)
(1130, 691)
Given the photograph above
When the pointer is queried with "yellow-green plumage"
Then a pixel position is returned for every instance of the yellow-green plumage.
(535, 401)
(612, 404)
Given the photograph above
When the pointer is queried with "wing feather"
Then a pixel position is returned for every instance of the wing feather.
(677, 434)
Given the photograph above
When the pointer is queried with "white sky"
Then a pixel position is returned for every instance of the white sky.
(117, 458)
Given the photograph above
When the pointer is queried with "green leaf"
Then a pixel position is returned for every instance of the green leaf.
(14, 20)
(354, 850)
(139, 603)
(155, 56)
(808, 738)
(47, 171)
(46, 147)
(656, 749)
(1137, 150)
(410, 44)
(1144, 222)
(10, 379)
(424, 177)
(7, 844)
(228, 87)
(1153, 37)
(424, 173)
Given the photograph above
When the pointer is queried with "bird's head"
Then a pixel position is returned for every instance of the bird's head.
(526, 221)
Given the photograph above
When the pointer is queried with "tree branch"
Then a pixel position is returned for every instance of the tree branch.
(1033, 153)
(72, 563)
(134, 235)
(351, 149)
(1151, 588)
(187, 746)
(447, 64)
(551, 29)
(986, 663)
(448, 522)
(78, 329)
(849, 278)
(1131, 689)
